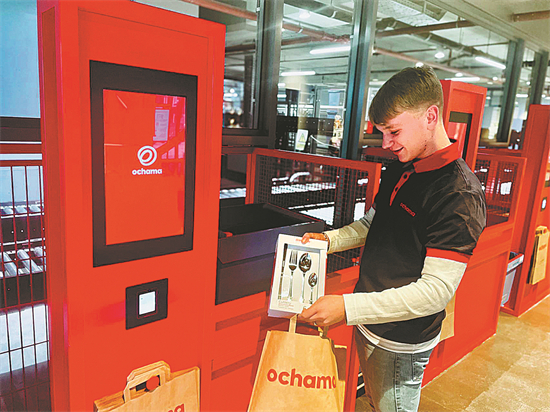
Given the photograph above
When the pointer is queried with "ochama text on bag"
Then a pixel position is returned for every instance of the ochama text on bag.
(295, 379)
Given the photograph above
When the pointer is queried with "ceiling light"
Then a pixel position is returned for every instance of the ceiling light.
(299, 73)
(495, 78)
(281, 84)
(459, 74)
(528, 83)
(522, 95)
(439, 55)
(490, 62)
(326, 50)
(304, 14)
(419, 64)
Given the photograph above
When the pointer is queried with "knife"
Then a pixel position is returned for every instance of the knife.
(282, 270)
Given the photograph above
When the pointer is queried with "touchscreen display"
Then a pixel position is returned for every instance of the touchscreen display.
(144, 149)
(143, 133)
(458, 129)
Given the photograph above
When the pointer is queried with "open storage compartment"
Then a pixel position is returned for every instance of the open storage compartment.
(514, 262)
(246, 247)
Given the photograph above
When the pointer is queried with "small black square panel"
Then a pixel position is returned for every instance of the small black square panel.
(146, 303)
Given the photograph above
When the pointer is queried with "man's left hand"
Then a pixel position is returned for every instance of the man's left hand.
(326, 311)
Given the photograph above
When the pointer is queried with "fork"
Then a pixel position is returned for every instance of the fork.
(292, 265)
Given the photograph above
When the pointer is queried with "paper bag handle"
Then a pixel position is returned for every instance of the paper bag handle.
(292, 327)
(141, 375)
(292, 324)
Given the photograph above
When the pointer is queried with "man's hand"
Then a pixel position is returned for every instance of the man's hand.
(308, 236)
(326, 311)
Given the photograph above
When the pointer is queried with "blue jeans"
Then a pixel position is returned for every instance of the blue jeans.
(392, 380)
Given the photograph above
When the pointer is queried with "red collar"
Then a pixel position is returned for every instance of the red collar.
(438, 159)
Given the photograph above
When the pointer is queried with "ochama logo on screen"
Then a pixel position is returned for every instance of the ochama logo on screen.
(147, 155)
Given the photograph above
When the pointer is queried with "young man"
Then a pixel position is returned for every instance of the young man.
(418, 237)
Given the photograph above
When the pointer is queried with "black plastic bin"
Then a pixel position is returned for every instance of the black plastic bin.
(246, 247)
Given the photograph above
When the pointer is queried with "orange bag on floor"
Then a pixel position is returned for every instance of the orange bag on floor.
(299, 373)
(177, 392)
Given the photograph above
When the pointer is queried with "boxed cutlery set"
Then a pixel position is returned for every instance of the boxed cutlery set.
(298, 275)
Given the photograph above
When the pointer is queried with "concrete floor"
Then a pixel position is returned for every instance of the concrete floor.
(510, 372)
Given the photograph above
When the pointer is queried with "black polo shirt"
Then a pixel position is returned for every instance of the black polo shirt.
(430, 207)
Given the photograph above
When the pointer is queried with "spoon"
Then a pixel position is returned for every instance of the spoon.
(304, 264)
(312, 281)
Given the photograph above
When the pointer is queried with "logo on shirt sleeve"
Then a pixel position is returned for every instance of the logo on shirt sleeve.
(407, 209)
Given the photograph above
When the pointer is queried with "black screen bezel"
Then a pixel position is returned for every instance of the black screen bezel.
(141, 80)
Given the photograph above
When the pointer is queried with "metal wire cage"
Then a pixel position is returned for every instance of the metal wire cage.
(337, 191)
(500, 179)
(24, 352)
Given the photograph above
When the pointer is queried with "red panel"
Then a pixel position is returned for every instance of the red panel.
(232, 388)
(536, 149)
(464, 98)
(92, 352)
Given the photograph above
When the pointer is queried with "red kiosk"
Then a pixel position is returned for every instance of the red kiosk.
(533, 209)
(131, 103)
(463, 105)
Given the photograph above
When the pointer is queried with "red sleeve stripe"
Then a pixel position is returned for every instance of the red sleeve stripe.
(448, 254)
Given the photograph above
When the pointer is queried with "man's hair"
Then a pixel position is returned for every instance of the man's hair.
(413, 88)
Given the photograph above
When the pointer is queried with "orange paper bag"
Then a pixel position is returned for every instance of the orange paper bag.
(540, 255)
(176, 392)
(299, 373)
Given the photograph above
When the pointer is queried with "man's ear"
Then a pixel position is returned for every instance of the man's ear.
(432, 116)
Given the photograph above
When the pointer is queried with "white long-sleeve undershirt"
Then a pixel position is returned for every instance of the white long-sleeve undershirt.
(428, 295)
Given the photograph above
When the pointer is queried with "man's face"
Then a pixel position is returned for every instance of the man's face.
(408, 136)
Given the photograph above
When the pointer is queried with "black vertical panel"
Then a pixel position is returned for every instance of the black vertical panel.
(362, 41)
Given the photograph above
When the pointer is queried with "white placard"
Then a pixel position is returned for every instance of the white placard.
(301, 139)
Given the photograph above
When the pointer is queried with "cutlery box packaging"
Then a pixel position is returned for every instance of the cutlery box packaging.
(299, 275)
(246, 246)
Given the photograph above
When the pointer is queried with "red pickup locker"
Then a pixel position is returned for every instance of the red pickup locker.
(533, 208)
(92, 351)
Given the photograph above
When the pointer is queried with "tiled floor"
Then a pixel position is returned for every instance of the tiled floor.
(510, 372)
